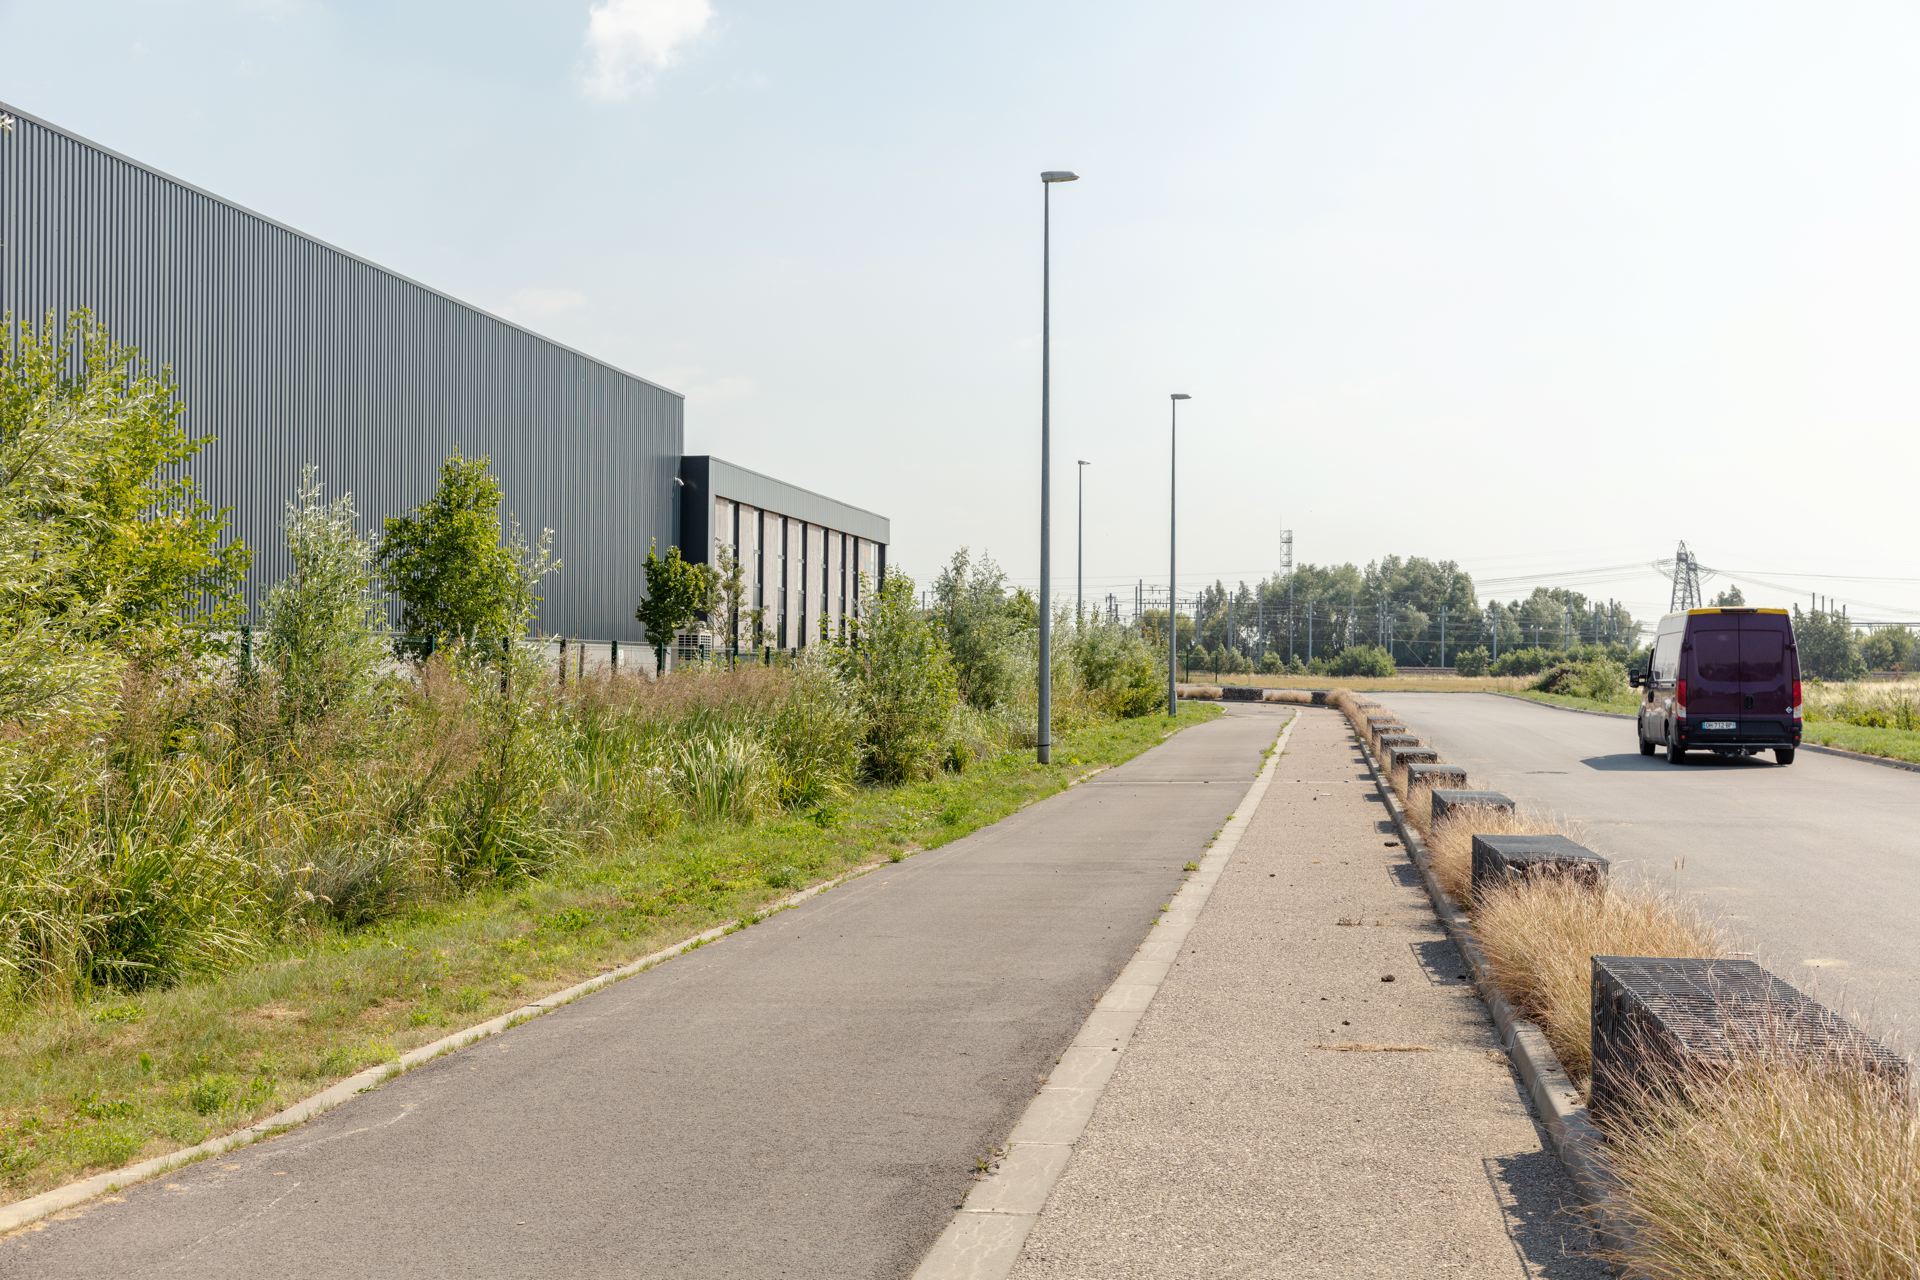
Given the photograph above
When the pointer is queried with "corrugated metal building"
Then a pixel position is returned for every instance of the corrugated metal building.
(289, 351)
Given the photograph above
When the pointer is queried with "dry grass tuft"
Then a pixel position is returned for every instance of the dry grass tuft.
(1450, 844)
(1770, 1171)
(1540, 936)
(1293, 697)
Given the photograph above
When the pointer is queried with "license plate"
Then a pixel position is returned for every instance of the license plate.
(1712, 725)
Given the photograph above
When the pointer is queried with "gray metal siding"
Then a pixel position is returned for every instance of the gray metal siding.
(291, 351)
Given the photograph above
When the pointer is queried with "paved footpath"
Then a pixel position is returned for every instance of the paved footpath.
(1283, 1110)
(806, 1098)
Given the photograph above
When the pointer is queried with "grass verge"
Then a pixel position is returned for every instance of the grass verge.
(100, 1084)
(1894, 744)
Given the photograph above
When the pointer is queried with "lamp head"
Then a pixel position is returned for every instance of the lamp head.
(1084, 462)
(1059, 175)
(1181, 395)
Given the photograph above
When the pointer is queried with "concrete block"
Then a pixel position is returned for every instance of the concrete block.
(1447, 799)
(1400, 756)
(1433, 774)
(1497, 857)
(1658, 1020)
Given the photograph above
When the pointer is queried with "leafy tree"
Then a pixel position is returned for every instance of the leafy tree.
(991, 636)
(1889, 649)
(678, 592)
(1829, 649)
(322, 633)
(457, 578)
(114, 535)
(1731, 598)
(902, 680)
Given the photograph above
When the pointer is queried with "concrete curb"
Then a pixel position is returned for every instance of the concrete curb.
(1818, 748)
(24, 1213)
(987, 1233)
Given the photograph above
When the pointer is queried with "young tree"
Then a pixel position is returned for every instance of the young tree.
(730, 594)
(1731, 598)
(457, 578)
(115, 537)
(323, 624)
(678, 592)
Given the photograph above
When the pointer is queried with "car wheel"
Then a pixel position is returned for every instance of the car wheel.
(1646, 743)
(1676, 754)
(1784, 754)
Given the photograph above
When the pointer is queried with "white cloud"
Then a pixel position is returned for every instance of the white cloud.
(628, 39)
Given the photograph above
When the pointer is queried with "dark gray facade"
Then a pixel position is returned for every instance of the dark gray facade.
(802, 555)
(290, 351)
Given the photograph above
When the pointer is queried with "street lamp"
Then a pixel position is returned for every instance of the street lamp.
(1173, 499)
(1080, 548)
(1047, 179)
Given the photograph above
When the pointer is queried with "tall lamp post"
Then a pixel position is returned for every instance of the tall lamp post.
(1047, 179)
(1173, 499)
(1080, 548)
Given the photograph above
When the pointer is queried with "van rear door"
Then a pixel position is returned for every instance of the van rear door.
(1715, 688)
(1766, 678)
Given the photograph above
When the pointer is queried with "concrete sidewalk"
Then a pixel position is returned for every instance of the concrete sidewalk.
(1315, 1091)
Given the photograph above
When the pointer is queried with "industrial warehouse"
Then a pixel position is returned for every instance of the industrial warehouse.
(288, 351)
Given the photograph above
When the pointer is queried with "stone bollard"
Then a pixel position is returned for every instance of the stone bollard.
(1657, 1021)
(1385, 742)
(1446, 800)
(1401, 757)
(1497, 858)
(1430, 774)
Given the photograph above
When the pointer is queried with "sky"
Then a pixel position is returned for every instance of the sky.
(1540, 288)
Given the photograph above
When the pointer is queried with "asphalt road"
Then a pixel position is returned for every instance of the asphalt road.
(805, 1098)
(1815, 867)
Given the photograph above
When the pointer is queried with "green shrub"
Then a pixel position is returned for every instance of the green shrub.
(1471, 662)
(903, 684)
(1118, 669)
(1361, 660)
(993, 637)
(322, 625)
(1601, 680)
(1524, 662)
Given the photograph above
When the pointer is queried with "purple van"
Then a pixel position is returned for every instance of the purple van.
(1722, 680)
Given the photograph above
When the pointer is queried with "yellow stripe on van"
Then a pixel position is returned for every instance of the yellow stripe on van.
(1735, 609)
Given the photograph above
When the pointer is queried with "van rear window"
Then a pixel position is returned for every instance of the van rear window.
(1763, 656)
(1716, 656)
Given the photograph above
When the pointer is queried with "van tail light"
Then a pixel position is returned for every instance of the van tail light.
(1797, 699)
(1680, 694)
